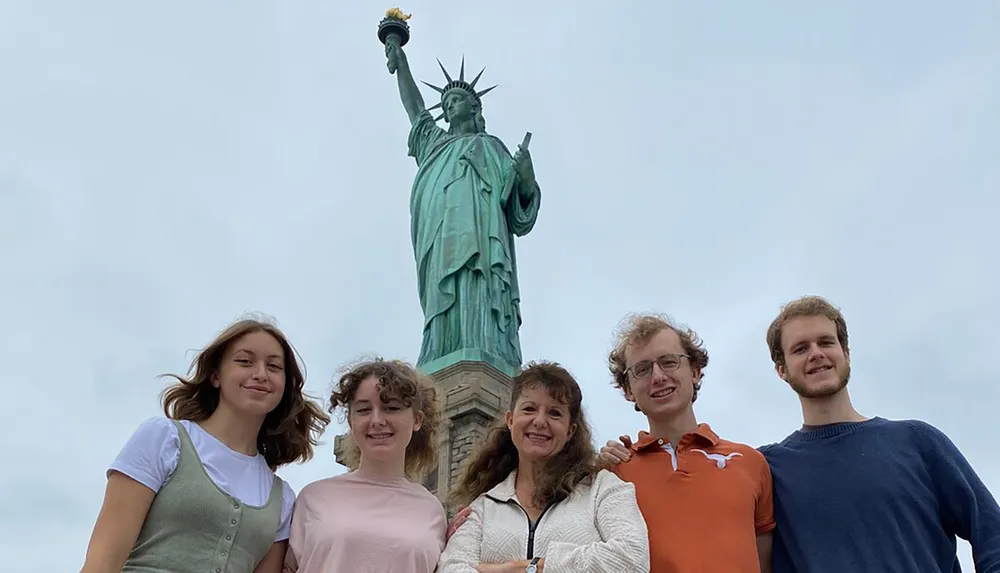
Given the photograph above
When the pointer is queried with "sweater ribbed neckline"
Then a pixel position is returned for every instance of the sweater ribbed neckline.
(813, 433)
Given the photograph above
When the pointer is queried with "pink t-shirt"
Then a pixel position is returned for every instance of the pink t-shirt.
(352, 524)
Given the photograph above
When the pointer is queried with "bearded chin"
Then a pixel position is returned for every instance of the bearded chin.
(806, 392)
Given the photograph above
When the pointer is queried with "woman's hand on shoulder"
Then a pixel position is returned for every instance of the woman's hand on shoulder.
(614, 453)
(457, 521)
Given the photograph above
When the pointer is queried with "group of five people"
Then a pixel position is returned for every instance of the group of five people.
(196, 490)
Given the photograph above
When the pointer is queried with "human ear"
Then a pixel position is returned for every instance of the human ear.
(628, 394)
(418, 419)
(781, 370)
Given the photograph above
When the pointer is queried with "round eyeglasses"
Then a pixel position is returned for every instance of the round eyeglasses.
(667, 363)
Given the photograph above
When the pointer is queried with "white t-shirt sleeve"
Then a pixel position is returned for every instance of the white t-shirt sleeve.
(150, 456)
(288, 503)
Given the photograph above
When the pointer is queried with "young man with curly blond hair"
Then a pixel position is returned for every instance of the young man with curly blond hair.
(706, 501)
(860, 494)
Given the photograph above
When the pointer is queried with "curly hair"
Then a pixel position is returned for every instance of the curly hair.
(639, 329)
(498, 457)
(804, 306)
(396, 380)
(289, 432)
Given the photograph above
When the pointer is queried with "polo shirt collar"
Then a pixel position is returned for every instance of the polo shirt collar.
(703, 433)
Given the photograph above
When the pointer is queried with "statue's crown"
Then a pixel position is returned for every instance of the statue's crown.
(459, 84)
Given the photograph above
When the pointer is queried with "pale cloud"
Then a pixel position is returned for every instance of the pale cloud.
(165, 169)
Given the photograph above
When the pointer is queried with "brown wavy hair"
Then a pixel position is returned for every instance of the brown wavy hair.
(397, 380)
(804, 306)
(497, 457)
(639, 329)
(289, 432)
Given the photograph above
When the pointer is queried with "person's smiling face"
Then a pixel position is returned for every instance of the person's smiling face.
(539, 424)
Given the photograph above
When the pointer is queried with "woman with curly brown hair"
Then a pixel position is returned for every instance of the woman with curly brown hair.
(377, 517)
(196, 491)
(539, 503)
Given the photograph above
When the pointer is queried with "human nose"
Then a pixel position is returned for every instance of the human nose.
(261, 372)
(658, 373)
(815, 352)
(378, 417)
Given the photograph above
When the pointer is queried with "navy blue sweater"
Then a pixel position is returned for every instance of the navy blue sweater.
(878, 496)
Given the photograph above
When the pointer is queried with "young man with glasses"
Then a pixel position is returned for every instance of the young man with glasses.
(706, 501)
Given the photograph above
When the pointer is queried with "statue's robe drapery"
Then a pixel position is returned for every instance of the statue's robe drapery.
(463, 222)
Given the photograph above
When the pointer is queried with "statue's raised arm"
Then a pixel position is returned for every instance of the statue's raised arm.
(394, 32)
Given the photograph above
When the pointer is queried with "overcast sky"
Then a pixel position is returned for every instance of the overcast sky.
(167, 167)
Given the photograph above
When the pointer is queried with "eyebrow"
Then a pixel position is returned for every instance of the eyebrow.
(252, 353)
(824, 338)
(557, 405)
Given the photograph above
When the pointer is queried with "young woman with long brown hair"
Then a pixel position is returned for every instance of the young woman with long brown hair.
(377, 517)
(196, 491)
(539, 503)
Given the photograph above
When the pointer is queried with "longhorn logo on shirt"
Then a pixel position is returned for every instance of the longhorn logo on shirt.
(719, 459)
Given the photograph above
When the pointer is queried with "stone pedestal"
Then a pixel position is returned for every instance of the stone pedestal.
(474, 393)
(339, 450)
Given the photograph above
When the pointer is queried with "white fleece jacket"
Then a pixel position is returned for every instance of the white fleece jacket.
(597, 529)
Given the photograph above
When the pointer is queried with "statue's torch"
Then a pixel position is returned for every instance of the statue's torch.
(393, 28)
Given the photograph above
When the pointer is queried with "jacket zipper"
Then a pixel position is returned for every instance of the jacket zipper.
(531, 526)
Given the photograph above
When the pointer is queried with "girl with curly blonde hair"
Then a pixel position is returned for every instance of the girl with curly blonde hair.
(377, 517)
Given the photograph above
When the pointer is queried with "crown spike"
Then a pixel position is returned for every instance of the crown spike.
(445, 72)
(485, 91)
(476, 79)
(433, 87)
(438, 118)
(457, 85)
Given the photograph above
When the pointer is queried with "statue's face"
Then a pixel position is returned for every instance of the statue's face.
(458, 107)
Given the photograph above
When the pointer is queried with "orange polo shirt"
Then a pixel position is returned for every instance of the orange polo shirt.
(704, 503)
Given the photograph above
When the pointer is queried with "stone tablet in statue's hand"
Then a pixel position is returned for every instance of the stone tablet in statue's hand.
(522, 163)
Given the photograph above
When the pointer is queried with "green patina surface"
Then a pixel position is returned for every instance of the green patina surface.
(470, 197)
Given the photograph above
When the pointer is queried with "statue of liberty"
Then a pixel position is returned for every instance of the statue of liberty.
(470, 197)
